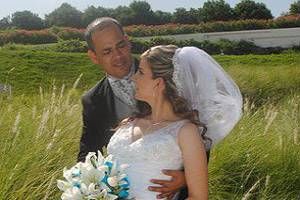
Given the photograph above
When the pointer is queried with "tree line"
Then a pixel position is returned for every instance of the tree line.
(140, 12)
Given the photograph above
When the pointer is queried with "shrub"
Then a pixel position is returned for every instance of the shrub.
(71, 33)
(73, 45)
(53, 34)
(27, 37)
(222, 46)
(218, 26)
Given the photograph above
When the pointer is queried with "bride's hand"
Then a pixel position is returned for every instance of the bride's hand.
(169, 188)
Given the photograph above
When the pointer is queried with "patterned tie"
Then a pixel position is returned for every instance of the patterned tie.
(124, 89)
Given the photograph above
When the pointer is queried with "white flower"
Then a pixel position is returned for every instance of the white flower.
(103, 168)
(109, 159)
(111, 197)
(84, 189)
(123, 167)
(94, 191)
(101, 194)
(105, 187)
(72, 175)
(63, 185)
(113, 181)
(89, 174)
(91, 159)
(93, 188)
(100, 158)
(72, 194)
(114, 170)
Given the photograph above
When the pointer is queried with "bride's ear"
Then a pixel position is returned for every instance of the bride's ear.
(161, 84)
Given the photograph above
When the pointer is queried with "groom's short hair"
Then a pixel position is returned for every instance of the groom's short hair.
(98, 25)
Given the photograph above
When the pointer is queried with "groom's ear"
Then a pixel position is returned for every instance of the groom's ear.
(93, 56)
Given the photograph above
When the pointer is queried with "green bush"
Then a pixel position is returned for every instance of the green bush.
(222, 46)
(27, 37)
(238, 47)
(218, 26)
(71, 33)
(73, 45)
(53, 34)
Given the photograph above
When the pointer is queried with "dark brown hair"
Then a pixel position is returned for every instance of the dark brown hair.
(98, 25)
(160, 59)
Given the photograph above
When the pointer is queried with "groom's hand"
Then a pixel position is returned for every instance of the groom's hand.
(169, 188)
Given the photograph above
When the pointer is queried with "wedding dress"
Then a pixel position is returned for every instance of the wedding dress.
(147, 156)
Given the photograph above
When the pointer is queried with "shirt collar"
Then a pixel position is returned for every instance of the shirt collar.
(127, 77)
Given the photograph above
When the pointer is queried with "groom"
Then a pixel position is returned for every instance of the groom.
(112, 99)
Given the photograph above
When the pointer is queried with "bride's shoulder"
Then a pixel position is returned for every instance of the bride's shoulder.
(189, 130)
(188, 127)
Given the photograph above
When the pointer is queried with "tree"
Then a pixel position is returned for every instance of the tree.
(66, 16)
(162, 17)
(5, 23)
(295, 8)
(91, 13)
(142, 13)
(124, 15)
(27, 20)
(216, 10)
(182, 16)
(248, 9)
(194, 15)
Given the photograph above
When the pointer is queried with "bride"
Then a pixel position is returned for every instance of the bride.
(173, 86)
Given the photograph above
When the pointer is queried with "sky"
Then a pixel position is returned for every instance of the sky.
(42, 7)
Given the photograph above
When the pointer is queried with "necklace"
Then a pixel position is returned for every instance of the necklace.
(157, 123)
(148, 129)
(153, 124)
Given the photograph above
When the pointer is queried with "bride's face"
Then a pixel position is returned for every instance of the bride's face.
(144, 83)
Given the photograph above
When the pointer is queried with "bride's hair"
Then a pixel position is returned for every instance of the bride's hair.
(160, 60)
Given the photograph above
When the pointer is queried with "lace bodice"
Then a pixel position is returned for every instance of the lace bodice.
(147, 156)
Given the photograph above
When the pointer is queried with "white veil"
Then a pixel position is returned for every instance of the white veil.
(208, 88)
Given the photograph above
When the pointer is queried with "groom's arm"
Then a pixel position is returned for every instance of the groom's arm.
(168, 188)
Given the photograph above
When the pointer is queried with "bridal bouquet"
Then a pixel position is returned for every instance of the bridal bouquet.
(98, 178)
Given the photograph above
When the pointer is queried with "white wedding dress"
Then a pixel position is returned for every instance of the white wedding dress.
(147, 156)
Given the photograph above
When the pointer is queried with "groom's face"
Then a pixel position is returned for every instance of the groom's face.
(112, 51)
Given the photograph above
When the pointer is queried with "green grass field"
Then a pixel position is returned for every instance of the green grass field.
(40, 130)
(28, 70)
(259, 76)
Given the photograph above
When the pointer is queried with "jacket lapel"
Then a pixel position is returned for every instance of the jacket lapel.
(103, 100)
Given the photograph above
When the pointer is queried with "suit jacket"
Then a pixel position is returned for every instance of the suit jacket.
(99, 118)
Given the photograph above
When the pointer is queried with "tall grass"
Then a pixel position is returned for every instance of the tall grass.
(260, 159)
(39, 135)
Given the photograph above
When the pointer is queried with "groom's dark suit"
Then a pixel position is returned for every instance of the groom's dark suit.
(98, 118)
